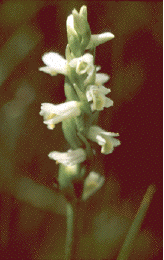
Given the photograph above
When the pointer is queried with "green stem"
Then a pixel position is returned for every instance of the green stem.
(134, 229)
(74, 230)
(69, 236)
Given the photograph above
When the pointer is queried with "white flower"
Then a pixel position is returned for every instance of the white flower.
(97, 39)
(103, 138)
(55, 64)
(54, 114)
(97, 95)
(70, 158)
(83, 64)
(92, 183)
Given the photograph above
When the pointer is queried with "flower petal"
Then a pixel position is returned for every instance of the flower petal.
(97, 39)
(69, 158)
(54, 114)
(83, 64)
(101, 78)
(48, 70)
(55, 62)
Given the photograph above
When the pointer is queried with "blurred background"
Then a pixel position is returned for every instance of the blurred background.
(32, 212)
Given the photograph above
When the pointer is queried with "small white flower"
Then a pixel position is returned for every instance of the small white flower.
(70, 158)
(103, 138)
(92, 183)
(97, 39)
(55, 64)
(83, 64)
(54, 114)
(97, 95)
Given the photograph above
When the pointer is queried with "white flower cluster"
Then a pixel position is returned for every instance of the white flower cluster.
(80, 71)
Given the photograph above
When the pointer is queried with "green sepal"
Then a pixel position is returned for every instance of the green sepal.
(70, 133)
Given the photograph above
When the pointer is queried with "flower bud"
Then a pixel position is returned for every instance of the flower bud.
(73, 39)
(92, 183)
(81, 26)
(83, 12)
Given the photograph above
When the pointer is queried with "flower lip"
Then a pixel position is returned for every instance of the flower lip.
(101, 78)
(83, 64)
